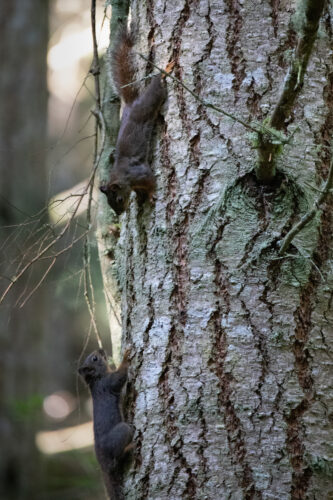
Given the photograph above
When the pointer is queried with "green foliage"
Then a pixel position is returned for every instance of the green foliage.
(73, 475)
(27, 408)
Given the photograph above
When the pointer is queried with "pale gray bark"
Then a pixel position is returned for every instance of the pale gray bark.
(107, 223)
(230, 389)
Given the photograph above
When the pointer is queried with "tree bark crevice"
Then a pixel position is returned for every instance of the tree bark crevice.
(218, 378)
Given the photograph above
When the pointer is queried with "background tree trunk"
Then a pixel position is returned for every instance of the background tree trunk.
(23, 107)
(230, 390)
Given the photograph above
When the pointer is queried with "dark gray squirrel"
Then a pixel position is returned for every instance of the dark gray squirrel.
(113, 436)
(131, 170)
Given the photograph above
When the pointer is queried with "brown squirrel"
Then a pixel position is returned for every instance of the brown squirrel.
(113, 436)
(131, 171)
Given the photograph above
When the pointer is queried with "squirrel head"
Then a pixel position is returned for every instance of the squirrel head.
(94, 367)
(117, 194)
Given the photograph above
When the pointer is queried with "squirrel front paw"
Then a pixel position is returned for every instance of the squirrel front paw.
(127, 354)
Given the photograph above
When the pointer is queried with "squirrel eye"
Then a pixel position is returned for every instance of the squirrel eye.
(94, 358)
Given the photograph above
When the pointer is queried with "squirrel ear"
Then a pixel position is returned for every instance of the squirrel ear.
(102, 353)
(103, 188)
(83, 370)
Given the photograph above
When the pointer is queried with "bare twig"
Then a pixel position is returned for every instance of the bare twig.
(310, 215)
(39, 282)
(86, 254)
(40, 253)
(40, 248)
(95, 68)
(100, 123)
(65, 249)
(90, 301)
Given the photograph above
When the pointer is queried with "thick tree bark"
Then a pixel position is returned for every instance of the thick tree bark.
(107, 223)
(230, 390)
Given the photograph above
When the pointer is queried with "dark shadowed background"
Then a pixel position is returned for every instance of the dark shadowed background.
(46, 151)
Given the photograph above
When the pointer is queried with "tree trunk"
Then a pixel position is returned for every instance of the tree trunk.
(230, 388)
(23, 108)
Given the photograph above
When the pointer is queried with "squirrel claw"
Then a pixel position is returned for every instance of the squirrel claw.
(127, 354)
(152, 198)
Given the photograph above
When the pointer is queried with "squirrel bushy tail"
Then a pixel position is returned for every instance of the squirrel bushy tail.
(123, 68)
(113, 487)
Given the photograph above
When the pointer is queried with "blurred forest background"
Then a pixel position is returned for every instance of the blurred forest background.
(47, 144)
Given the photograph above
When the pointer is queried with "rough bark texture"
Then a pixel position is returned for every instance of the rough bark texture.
(107, 223)
(231, 392)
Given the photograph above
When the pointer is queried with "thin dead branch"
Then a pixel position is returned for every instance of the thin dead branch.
(53, 261)
(39, 254)
(100, 124)
(311, 214)
(95, 67)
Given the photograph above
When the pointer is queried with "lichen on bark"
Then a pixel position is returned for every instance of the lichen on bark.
(229, 390)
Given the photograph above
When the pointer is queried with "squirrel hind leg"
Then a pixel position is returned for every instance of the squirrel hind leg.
(117, 440)
(145, 195)
(129, 448)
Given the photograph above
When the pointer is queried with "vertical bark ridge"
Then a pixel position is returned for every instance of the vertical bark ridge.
(129, 285)
(237, 447)
(151, 34)
(326, 131)
(206, 53)
(301, 471)
(261, 346)
(234, 49)
(145, 333)
(204, 443)
(178, 306)
(172, 435)
(144, 482)
(176, 51)
(178, 230)
(232, 423)
(275, 4)
(288, 43)
(180, 236)
(213, 389)
(253, 102)
(172, 183)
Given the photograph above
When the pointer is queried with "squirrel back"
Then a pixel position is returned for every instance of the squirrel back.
(123, 68)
